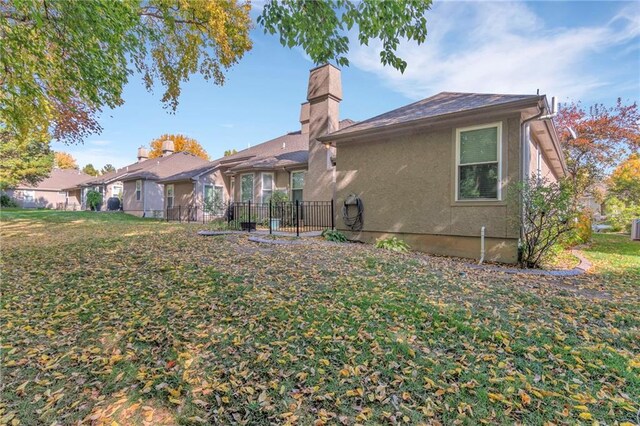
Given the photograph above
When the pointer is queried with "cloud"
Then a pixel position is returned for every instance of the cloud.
(500, 47)
(100, 142)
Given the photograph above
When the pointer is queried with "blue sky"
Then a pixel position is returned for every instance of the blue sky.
(588, 51)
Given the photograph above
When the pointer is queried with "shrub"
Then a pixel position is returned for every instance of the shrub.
(548, 215)
(393, 244)
(6, 201)
(581, 232)
(334, 235)
(620, 215)
(94, 199)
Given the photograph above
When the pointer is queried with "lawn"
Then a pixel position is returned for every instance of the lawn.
(107, 318)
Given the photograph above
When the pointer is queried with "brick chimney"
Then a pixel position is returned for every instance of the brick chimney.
(143, 154)
(304, 118)
(324, 95)
(167, 147)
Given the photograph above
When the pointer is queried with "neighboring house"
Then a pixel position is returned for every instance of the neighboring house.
(52, 191)
(435, 172)
(251, 175)
(593, 201)
(137, 185)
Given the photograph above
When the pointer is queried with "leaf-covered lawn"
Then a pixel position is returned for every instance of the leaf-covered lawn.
(107, 318)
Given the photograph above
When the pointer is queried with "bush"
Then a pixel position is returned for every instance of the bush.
(620, 215)
(393, 244)
(581, 232)
(334, 235)
(6, 201)
(94, 199)
(548, 215)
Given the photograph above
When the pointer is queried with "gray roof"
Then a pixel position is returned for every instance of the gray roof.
(290, 150)
(190, 174)
(163, 167)
(58, 180)
(438, 105)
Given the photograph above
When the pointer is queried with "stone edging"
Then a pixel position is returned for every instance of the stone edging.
(582, 267)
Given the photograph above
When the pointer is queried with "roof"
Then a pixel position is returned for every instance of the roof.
(58, 180)
(163, 167)
(289, 150)
(443, 103)
(190, 174)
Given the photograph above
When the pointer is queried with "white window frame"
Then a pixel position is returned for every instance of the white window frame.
(539, 164)
(171, 189)
(273, 184)
(113, 190)
(499, 159)
(138, 189)
(232, 185)
(29, 195)
(253, 186)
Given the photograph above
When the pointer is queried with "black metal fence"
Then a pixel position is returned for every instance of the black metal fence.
(290, 217)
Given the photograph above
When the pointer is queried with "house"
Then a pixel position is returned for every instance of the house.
(51, 192)
(138, 183)
(251, 175)
(438, 172)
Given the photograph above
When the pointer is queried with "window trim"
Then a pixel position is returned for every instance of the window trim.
(138, 189)
(456, 189)
(273, 184)
(31, 198)
(253, 186)
(172, 197)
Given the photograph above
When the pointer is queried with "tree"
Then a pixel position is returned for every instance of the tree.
(229, 152)
(181, 143)
(90, 170)
(604, 135)
(320, 27)
(64, 160)
(107, 169)
(62, 62)
(24, 160)
(625, 180)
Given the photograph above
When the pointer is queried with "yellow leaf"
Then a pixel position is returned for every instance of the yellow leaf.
(585, 416)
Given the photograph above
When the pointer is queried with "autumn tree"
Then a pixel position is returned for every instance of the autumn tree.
(62, 62)
(108, 168)
(229, 152)
(604, 136)
(90, 170)
(181, 143)
(625, 180)
(64, 160)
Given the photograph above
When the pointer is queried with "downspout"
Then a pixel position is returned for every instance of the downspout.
(144, 199)
(481, 246)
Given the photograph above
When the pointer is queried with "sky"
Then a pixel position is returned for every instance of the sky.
(582, 51)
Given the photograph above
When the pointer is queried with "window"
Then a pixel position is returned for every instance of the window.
(233, 189)
(246, 188)
(478, 162)
(138, 190)
(213, 199)
(297, 184)
(539, 165)
(116, 191)
(29, 196)
(267, 187)
(170, 196)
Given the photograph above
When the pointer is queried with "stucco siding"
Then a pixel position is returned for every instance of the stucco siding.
(407, 186)
(29, 199)
(129, 202)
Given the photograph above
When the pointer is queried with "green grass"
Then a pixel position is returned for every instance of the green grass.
(111, 318)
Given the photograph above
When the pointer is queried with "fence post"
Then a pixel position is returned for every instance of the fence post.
(249, 224)
(167, 215)
(333, 225)
(180, 213)
(270, 218)
(297, 218)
